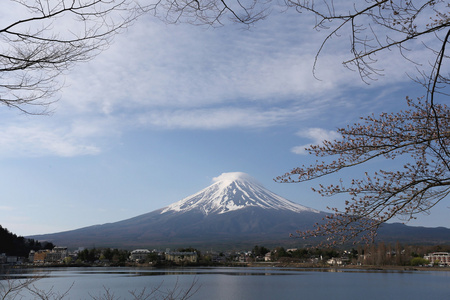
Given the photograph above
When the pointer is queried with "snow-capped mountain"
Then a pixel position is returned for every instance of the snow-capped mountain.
(234, 191)
(234, 212)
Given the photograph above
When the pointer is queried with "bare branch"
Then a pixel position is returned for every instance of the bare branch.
(49, 39)
(376, 26)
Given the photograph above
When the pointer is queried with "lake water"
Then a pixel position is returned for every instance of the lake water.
(247, 283)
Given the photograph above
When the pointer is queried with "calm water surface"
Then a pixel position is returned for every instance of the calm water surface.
(249, 283)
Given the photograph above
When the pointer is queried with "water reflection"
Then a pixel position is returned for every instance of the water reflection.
(139, 272)
(248, 283)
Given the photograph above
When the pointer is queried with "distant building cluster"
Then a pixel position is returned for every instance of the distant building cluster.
(62, 255)
(107, 257)
(56, 255)
(140, 255)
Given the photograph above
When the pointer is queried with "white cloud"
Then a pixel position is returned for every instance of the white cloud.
(158, 66)
(39, 140)
(220, 118)
(6, 208)
(190, 77)
(155, 65)
(317, 135)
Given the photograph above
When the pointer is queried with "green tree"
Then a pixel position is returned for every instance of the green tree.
(68, 260)
(260, 251)
(120, 256)
(419, 261)
(107, 254)
(14, 245)
(279, 252)
(89, 255)
(301, 253)
(153, 257)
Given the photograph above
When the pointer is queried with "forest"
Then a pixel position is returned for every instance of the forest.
(13, 245)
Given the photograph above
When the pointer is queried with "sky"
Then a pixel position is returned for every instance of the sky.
(166, 108)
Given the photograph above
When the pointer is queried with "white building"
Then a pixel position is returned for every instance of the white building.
(442, 258)
(139, 254)
(58, 254)
(334, 261)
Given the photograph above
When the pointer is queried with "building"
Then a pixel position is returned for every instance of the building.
(180, 257)
(338, 261)
(441, 258)
(58, 254)
(31, 256)
(139, 254)
(40, 256)
(11, 260)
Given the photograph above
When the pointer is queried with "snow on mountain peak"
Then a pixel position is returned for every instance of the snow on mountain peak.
(233, 191)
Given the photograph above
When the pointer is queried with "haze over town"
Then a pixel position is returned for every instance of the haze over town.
(167, 108)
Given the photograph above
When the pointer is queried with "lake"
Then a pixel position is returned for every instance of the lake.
(246, 283)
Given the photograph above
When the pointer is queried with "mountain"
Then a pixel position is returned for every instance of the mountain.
(233, 212)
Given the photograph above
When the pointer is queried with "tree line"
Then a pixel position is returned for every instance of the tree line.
(13, 245)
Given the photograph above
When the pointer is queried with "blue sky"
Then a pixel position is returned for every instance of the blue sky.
(166, 108)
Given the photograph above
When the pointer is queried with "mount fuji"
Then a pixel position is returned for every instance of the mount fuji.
(235, 211)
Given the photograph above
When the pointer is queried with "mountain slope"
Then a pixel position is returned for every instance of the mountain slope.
(234, 212)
